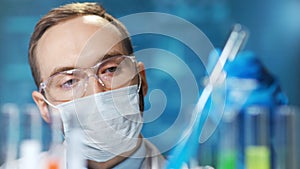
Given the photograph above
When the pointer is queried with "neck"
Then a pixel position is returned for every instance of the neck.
(114, 161)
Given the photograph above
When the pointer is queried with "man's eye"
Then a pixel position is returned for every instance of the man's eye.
(111, 69)
(70, 83)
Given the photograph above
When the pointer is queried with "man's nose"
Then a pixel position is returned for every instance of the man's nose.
(93, 86)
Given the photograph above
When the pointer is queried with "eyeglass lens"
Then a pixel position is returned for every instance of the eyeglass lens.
(112, 73)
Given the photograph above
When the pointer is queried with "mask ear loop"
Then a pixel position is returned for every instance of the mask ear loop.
(50, 104)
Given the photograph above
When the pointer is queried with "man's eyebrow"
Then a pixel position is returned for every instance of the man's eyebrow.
(108, 55)
(60, 69)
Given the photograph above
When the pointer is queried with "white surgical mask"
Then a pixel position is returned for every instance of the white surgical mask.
(111, 122)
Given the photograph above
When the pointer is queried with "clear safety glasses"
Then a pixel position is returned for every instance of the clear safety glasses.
(111, 73)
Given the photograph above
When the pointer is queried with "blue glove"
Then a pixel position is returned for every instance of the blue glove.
(247, 66)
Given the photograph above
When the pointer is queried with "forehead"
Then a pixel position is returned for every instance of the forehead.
(77, 42)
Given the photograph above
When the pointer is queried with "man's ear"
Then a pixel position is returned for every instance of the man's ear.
(42, 105)
(142, 72)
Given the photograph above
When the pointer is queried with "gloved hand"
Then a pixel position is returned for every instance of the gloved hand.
(247, 66)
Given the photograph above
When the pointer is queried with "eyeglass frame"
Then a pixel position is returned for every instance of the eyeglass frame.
(43, 84)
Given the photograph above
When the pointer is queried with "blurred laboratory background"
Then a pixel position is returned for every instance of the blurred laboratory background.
(274, 37)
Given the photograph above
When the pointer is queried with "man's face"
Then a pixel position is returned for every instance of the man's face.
(77, 43)
(80, 42)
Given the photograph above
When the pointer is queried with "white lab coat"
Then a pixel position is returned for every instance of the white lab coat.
(153, 159)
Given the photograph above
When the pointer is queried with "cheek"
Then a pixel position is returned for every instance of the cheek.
(135, 80)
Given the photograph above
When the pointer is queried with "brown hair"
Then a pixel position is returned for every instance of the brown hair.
(61, 14)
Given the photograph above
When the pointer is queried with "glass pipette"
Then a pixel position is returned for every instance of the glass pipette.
(186, 149)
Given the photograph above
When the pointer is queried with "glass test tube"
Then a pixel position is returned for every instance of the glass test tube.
(75, 158)
(227, 147)
(285, 137)
(10, 111)
(56, 158)
(257, 137)
(56, 129)
(35, 122)
(31, 147)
